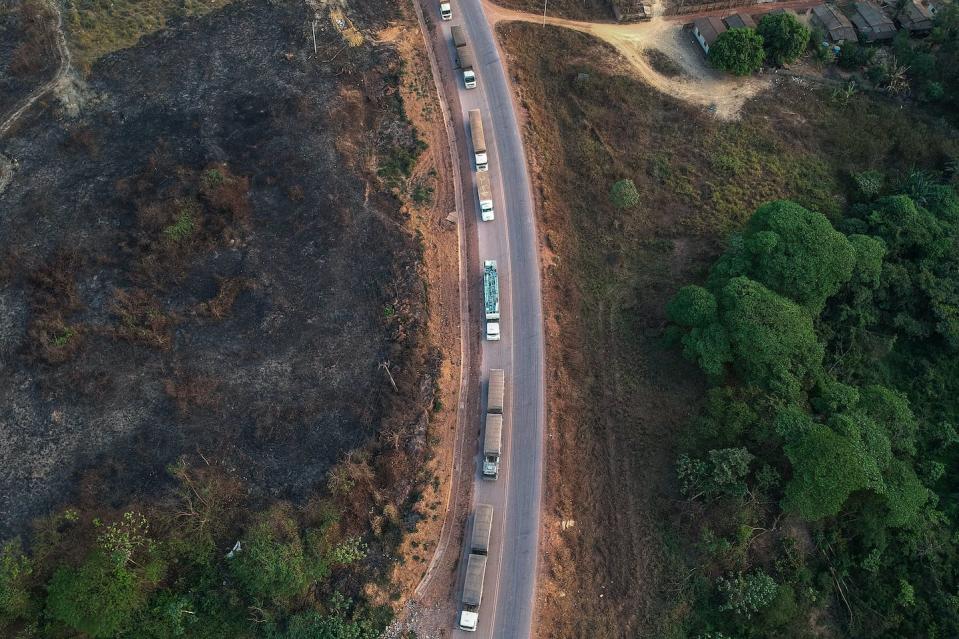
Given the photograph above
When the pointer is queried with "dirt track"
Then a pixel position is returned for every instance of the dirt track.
(60, 76)
(699, 84)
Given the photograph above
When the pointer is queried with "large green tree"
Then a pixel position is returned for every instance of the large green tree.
(827, 467)
(772, 339)
(784, 37)
(737, 51)
(793, 251)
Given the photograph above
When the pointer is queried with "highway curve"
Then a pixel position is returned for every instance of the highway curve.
(511, 240)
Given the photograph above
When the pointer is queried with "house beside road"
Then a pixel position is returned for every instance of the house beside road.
(707, 30)
(871, 23)
(837, 26)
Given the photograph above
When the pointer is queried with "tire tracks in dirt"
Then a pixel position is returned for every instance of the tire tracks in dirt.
(62, 70)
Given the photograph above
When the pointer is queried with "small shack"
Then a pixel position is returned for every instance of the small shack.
(740, 21)
(707, 30)
(871, 23)
(915, 18)
(632, 10)
(838, 28)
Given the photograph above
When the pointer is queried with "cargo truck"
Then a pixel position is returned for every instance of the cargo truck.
(482, 527)
(492, 443)
(491, 299)
(479, 140)
(464, 56)
(473, 592)
(497, 391)
(485, 194)
(446, 11)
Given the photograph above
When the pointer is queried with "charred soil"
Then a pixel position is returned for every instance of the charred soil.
(212, 262)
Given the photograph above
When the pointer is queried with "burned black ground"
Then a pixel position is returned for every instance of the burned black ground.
(300, 251)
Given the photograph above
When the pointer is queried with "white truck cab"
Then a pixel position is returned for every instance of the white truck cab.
(446, 11)
(492, 331)
(468, 621)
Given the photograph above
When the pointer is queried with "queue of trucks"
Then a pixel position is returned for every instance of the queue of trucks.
(493, 428)
(483, 517)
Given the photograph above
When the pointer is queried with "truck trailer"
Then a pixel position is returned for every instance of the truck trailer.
(482, 527)
(497, 391)
(464, 56)
(491, 299)
(484, 192)
(446, 11)
(492, 444)
(473, 592)
(479, 140)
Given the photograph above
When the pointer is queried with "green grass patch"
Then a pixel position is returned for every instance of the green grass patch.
(183, 228)
(99, 27)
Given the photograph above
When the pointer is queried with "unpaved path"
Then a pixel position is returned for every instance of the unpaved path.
(699, 84)
(59, 77)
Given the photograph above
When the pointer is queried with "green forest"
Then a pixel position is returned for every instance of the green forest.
(818, 474)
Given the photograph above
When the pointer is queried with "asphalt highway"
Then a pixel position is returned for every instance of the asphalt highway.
(511, 240)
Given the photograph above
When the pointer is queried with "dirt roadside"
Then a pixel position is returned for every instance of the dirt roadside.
(614, 395)
(426, 572)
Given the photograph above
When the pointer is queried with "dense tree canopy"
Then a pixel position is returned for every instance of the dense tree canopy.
(784, 37)
(834, 355)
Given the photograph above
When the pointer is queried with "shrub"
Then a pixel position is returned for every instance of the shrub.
(749, 593)
(854, 56)
(99, 598)
(15, 569)
(738, 51)
(624, 194)
(868, 183)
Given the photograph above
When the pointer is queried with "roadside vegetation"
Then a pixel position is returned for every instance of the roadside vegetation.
(161, 571)
(694, 515)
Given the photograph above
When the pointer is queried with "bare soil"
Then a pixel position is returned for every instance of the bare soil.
(664, 54)
(572, 9)
(209, 261)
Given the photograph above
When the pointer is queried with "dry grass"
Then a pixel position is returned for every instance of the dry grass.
(142, 318)
(572, 9)
(229, 289)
